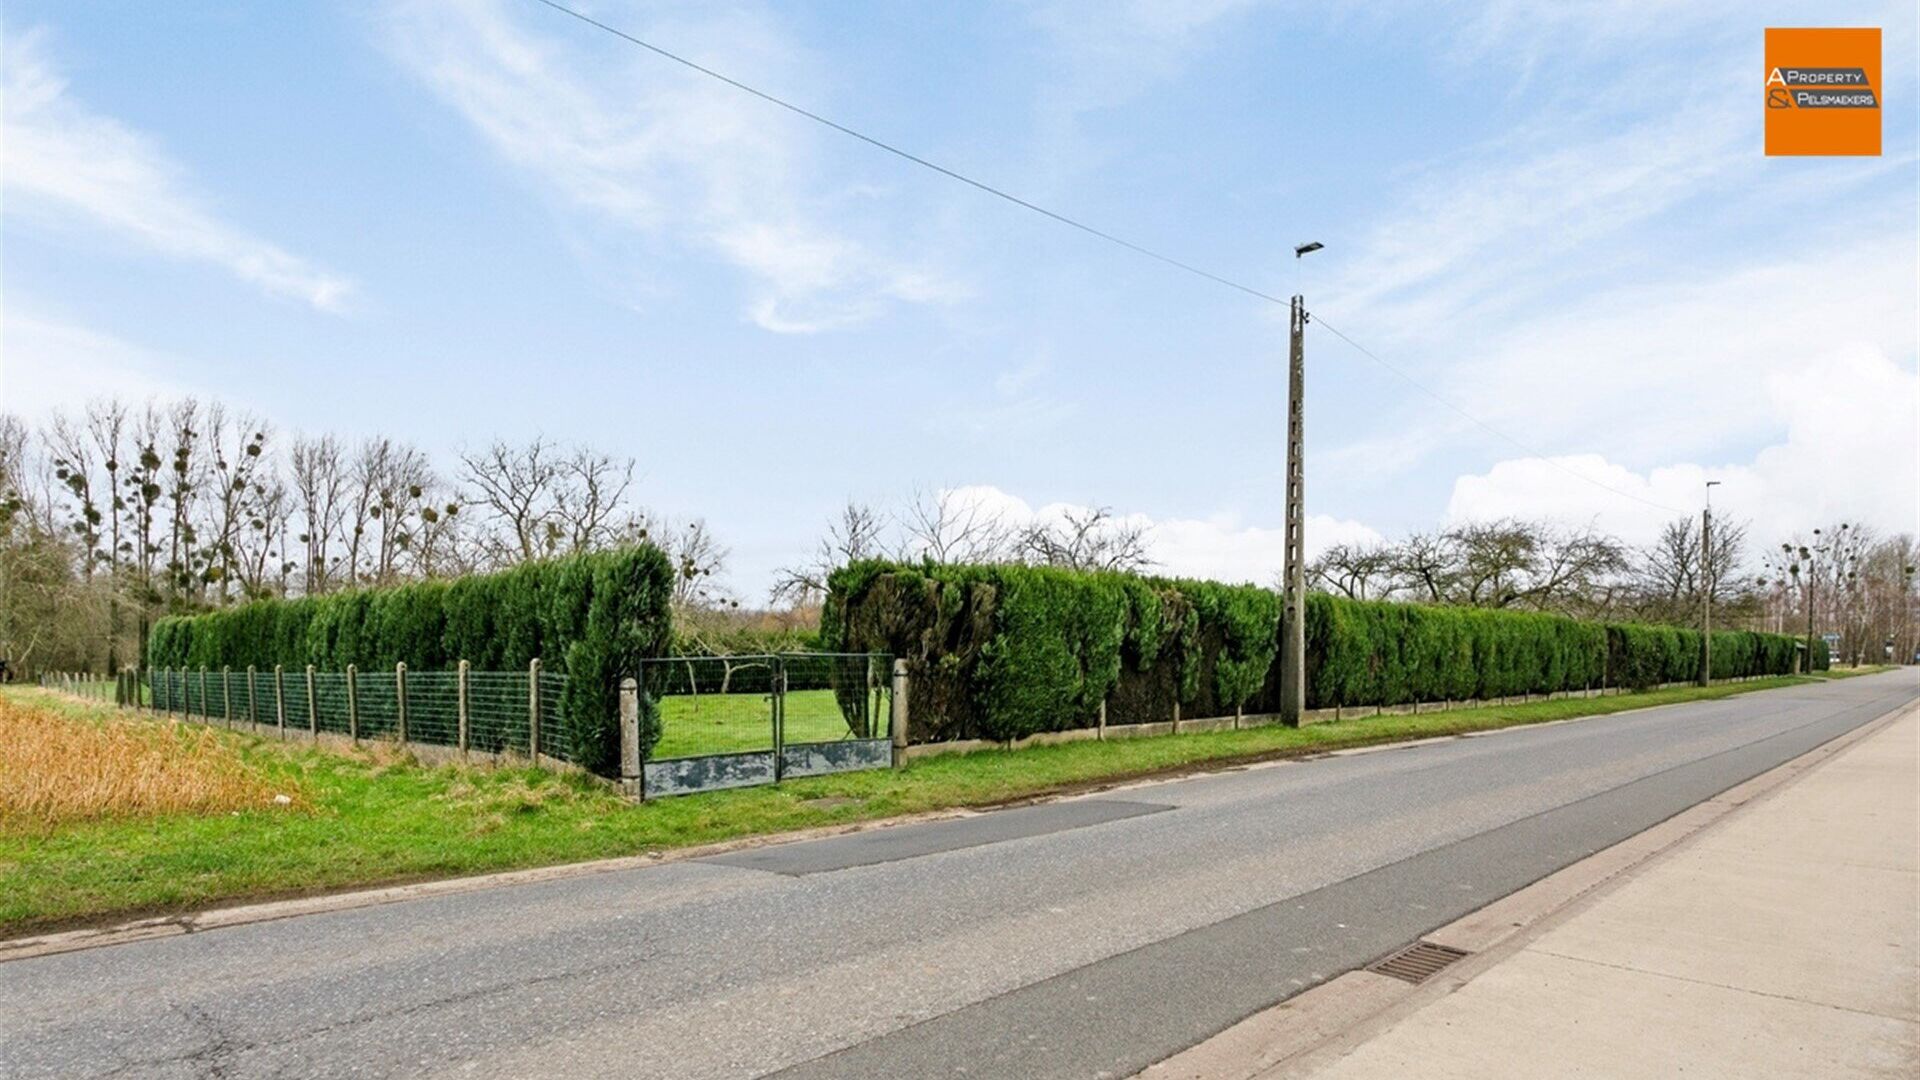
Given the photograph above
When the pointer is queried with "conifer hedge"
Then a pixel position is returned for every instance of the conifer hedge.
(999, 652)
(591, 616)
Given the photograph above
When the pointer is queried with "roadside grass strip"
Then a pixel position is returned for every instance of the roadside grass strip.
(80, 763)
(202, 827)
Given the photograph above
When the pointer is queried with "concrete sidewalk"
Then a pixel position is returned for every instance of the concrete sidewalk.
(1780, 941)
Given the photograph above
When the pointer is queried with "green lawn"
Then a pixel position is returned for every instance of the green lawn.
(373, 816)
(726, 723)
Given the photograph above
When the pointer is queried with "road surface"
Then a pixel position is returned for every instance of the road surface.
(1082, 938)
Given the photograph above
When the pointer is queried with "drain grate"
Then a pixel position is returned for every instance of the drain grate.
(1418, 962)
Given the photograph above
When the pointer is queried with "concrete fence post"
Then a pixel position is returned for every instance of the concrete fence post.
(1176, 716)
(1100, 725)
(280, 699)
(400, 699)
(460, 695)
(353, 702)
(226, 695)
(313, 707)
(204, 711)
(631, 782)
(253, 696)
(533, 708)
(897, 714)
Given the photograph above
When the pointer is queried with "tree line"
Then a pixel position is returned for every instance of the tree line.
(117, 514)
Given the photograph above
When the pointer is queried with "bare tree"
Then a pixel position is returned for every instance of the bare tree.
(234, 488)
(945, 528)
(1352, 569)
(1575, 572)
(545, 501)
(1424, 564)
(697, 557)
(590, 498)
(856, 534)
(1669, 576)
(1493, 561)
(320, 494)
(1085, 539)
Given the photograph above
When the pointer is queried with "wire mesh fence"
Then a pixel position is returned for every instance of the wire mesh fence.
(710, 704)
(121, 688)
(493, 712)
(828, 697)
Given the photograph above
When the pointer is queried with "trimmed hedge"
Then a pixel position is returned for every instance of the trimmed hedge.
(591, 616)
(999, 652)
(1374, 653)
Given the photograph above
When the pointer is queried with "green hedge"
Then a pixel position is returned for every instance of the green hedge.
(591, 616)
(1374, 653)
(1000, 652)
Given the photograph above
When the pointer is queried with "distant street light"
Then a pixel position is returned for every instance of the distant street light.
(1706, 591)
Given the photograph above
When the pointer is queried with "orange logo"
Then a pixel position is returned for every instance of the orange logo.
(1823, 92)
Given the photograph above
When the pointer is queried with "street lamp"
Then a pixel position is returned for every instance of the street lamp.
(1706, 591)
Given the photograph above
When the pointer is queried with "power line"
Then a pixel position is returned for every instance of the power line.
(1071, 223)
(915, 158)
(1484, 426)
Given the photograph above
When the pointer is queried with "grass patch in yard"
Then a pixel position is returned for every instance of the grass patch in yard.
(693, 724)
(375, 816)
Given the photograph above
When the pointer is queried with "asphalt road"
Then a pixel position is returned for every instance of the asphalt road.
(1088, 937)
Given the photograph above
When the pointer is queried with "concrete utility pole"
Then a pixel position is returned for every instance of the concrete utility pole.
(1706, 590)
(1293, 639)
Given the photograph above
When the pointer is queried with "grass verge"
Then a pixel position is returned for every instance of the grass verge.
(375, 816)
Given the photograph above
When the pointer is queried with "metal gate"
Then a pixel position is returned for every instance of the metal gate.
(736, 721)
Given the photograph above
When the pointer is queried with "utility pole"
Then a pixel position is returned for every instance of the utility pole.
(1706, 590)
(1293, 619)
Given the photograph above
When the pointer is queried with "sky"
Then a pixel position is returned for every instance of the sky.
(1584, 288)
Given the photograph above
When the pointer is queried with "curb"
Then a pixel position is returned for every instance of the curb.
(1281, 1040)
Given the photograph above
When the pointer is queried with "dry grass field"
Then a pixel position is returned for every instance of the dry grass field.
(57, 766)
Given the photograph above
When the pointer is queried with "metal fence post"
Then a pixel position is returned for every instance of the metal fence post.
(253, 697)
(779, 687)
(533, 708)
(313, 707)
(280, 699)
(353, 702)
(631, 784)
(400, 699)
(897, 718)
(461, 695)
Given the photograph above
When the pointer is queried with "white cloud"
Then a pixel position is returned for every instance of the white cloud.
(1850, 453)
(47, 364)
(655, 151)
(64, 161)
(1667, 368)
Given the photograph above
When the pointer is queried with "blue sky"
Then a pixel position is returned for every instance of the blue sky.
(453, 220)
